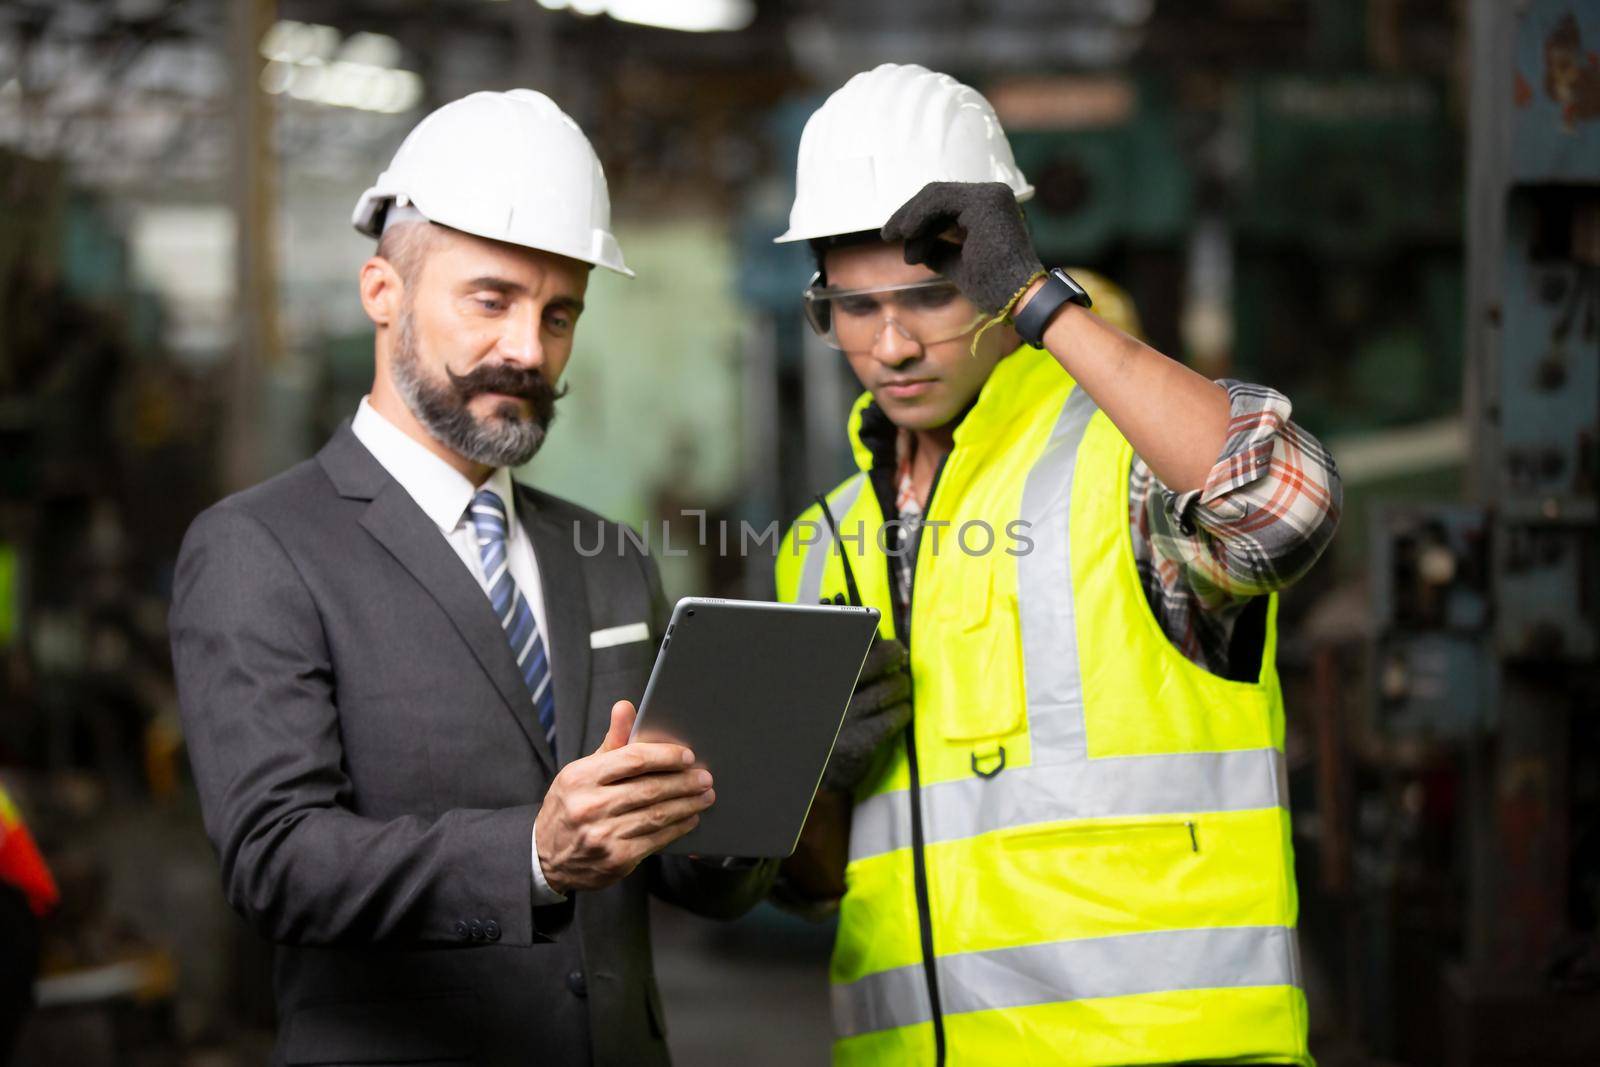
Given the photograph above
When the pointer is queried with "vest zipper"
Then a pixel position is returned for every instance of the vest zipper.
(919, 863)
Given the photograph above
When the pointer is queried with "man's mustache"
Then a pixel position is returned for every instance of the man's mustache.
(524, 383)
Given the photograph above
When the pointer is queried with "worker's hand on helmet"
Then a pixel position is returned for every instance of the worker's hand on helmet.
(879, 711)
(972, 233)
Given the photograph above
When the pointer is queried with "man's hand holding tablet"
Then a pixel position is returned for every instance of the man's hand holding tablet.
(605, 813)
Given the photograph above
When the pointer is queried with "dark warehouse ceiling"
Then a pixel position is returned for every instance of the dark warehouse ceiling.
(136, 93)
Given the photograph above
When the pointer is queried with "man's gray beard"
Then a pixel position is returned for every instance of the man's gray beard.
(499, 441)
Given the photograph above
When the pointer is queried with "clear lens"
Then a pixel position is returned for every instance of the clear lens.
(853, 320)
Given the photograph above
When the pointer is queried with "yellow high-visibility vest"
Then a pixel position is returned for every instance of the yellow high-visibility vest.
(1080, 852)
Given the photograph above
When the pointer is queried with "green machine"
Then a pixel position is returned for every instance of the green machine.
(1106, 166)
(1347, 222)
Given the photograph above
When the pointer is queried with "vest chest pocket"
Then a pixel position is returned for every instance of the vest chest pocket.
(1102, 877)
(1105, 879)
(971, 679)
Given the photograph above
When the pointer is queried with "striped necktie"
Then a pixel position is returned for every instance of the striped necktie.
(511, 607)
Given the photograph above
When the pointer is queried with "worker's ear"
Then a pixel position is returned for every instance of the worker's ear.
(382, 291)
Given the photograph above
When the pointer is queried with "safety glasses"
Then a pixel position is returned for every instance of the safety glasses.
(853, 320)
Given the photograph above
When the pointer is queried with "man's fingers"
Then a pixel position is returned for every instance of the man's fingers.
(891, 720)
(665, 815)
(919, 250)
(885, 655)
(640, 757)
(649, 789)
(622, 717)
(890, 689)
(650, 844)
(924, 232)
(935, 200)
(938, 253)
(943, 257)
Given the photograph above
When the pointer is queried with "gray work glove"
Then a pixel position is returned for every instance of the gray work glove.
(994, 260)
(879, 710)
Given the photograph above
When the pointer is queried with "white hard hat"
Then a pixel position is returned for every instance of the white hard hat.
(881, 137)
(509, 166)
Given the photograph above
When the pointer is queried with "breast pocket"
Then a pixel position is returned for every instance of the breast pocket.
(975, 670)
(620, 672)
(633, 656)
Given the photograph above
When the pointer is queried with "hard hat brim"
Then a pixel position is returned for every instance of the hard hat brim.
(370, 208)
(836, 228)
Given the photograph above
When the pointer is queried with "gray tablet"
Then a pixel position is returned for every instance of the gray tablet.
(758, 691)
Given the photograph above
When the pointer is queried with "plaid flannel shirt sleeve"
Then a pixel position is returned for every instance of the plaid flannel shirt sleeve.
(1269, 508)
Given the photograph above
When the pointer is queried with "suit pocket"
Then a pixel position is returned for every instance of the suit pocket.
(633, 656)
(620, 673)
(431, 1028)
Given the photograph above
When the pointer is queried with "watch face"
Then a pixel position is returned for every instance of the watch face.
(1079, 294)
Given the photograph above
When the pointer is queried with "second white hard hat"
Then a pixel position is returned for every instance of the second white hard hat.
(509, 166)
(881, 137)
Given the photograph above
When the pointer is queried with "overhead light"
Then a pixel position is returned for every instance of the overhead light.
(292, 42)
(340, 84)
(314, 63)
(697, 16)
(373, 49)
(693, 16)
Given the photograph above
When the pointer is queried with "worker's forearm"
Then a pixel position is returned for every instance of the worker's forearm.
(1175, 419)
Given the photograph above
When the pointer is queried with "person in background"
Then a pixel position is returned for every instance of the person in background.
(404, 690)
(27, 894)
(1055, 827)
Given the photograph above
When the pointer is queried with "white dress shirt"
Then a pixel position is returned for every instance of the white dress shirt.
(444, 495)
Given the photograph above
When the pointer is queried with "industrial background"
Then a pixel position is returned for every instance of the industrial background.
(1387, 209)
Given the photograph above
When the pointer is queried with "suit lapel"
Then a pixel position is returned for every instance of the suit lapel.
(566, 611)
(396, 521)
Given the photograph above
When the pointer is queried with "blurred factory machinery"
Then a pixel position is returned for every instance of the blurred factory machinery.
(1486, 646)
(1387, 209)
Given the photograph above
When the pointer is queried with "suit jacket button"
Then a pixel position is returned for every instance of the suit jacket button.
(462, 930)
(491, 930)
(477, 930)
(578, 984)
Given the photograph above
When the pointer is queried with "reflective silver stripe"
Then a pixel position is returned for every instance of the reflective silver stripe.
(897, 997)
(1062, 782)
(882, 823)
(1207, 958)
(843, 499)
(1059, 971)
(1080, 789)
(1045, 594)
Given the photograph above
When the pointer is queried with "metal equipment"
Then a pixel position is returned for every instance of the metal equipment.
(1487, 611)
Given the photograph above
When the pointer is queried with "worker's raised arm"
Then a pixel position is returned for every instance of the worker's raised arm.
(974, 234)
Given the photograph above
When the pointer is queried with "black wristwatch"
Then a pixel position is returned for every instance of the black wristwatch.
(1058, 289)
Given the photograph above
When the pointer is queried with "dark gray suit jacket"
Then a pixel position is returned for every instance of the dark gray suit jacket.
(369, 765)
